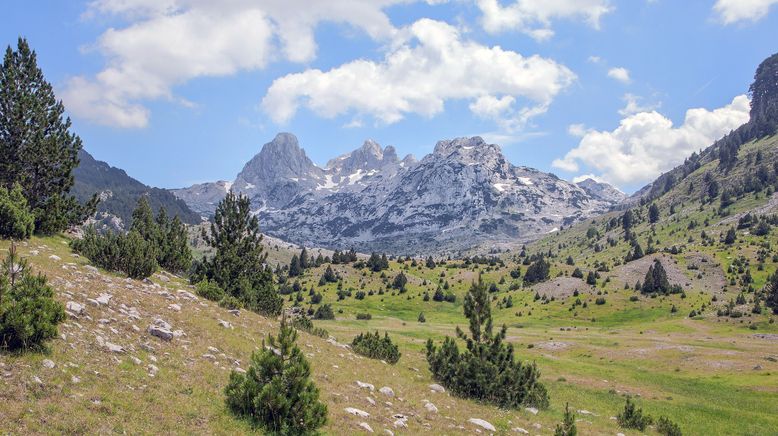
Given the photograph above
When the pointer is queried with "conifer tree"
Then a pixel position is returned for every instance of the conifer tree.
(305, 261)
(653, 213)
(295, 269)
(239, 264)
(486, 370)
(656, 279)
(37, 149)
(143, 220)
(277, 394)
(567, 427)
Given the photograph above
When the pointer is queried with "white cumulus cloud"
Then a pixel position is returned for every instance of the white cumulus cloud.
(647, 144)
(619, 73)
(732, 11)
(429, 63)
(534, 17)
(634, 106)
(169, 42)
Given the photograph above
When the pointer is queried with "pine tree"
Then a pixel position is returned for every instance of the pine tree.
(239, 264)
(175, 254)
(653, 213)
(772, 296)
(295, 268)
(305, 261)
(16, 220)
(29, 313)
(143, 220)
(567, 427)
(656, 279)
(730, 237)
(37, 150)
(486, 370)
(277, 394)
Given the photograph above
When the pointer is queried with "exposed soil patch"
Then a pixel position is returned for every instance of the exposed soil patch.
(560, 287)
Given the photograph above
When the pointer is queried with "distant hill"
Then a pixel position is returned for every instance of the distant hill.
(120, 192)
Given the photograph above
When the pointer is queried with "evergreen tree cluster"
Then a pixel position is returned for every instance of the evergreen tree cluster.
(372, 345)
(538, 271)
(149, 243)
(486, 370)
(656, 281)
(377, 263)
(339, 257)
(37, 150)
(29, 314)
(239, 264)
(276, 394)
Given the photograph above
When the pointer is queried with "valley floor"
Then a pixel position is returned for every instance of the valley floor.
(710, 376)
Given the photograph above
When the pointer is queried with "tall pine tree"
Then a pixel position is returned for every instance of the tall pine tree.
(37, 149)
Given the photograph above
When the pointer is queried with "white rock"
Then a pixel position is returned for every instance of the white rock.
(437, 388)
(520, 430)
(225, 324)
(389, 432)
(175, 307)
(481, 423)
(240, 370)
(586, 412)
(160, 332)
(91, 269)
(75, 308)
(162, 323)
(104, 299)
(431, 408)
(75, 380)
(531, 410)
(48, 364)
(186, 295)
(370, 400)
(135, 360)
(356, 412)
(37, 380)
(113, 348)
(365, 385)
(55, 257)
(386, 390)
(235, 312)
(366, 426)
(213, 349)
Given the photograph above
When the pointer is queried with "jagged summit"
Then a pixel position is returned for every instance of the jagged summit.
(463, 194)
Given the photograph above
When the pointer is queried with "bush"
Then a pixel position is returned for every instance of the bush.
(537, 272)
(209, 290)
(29, 314)
(632, 417)
(422, 318)
(487, 369)
(667, 428)
(599, 301)
(129, 254)
(364, 316)
(324, 312)
(373, 346)
(16, 219)
(305, 324)
(230, 303)
(276, 394)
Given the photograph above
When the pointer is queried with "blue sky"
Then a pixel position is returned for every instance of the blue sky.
(182, 91)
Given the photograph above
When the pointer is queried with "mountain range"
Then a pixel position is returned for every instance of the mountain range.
(464, 194)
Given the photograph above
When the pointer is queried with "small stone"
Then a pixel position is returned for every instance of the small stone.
(55, 257)
(75, 380)
(37, 380)
(162, 333)
(209, 356)
(104, 299)
(225, 324)
(135, 360)
(48, 364)
(431, 408)
(481, 423)
(437, 388)
(520, 430)
(186, 295)
(365, 386)
(357, 412)
(240, 370)
(235, 312)
(113, 348)
(91, 269)
(531, 410)
(386, 390)
(371, 401)
(74, 307)
(175, 307)
(366, 426)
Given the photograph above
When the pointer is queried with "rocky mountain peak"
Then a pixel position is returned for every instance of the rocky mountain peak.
(602, 191)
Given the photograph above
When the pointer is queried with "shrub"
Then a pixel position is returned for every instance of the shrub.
(324, 312)
(399, 282)
(537, 272)
(29, 314)
(567, 427)
(487, 369)
(16, 219)
(364, 316)
(129, 254)
(421, 318)
(373, 346)
(667, 428)
(599, 301)
(305, 324)
(632, 417)
(230, 303)
(577, 273)
(276, 394)
(209, 290)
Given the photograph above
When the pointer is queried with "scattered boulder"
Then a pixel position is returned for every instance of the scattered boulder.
(357, 412)
(160, 332)
(430, 407)
(365, 386)
(55, 257)
(225, 324)
(175, 307)
(186, 295)
(437, 388)
(75, 308)
(104, 299)
(531, 410)
(481, 423)
(48, 364)
(386, 390)
(520, 430)
(113, 348)
(366, 426)
(91, 269)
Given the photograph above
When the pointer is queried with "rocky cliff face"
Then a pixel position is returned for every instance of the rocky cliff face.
(602, 190)
(462, 195)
